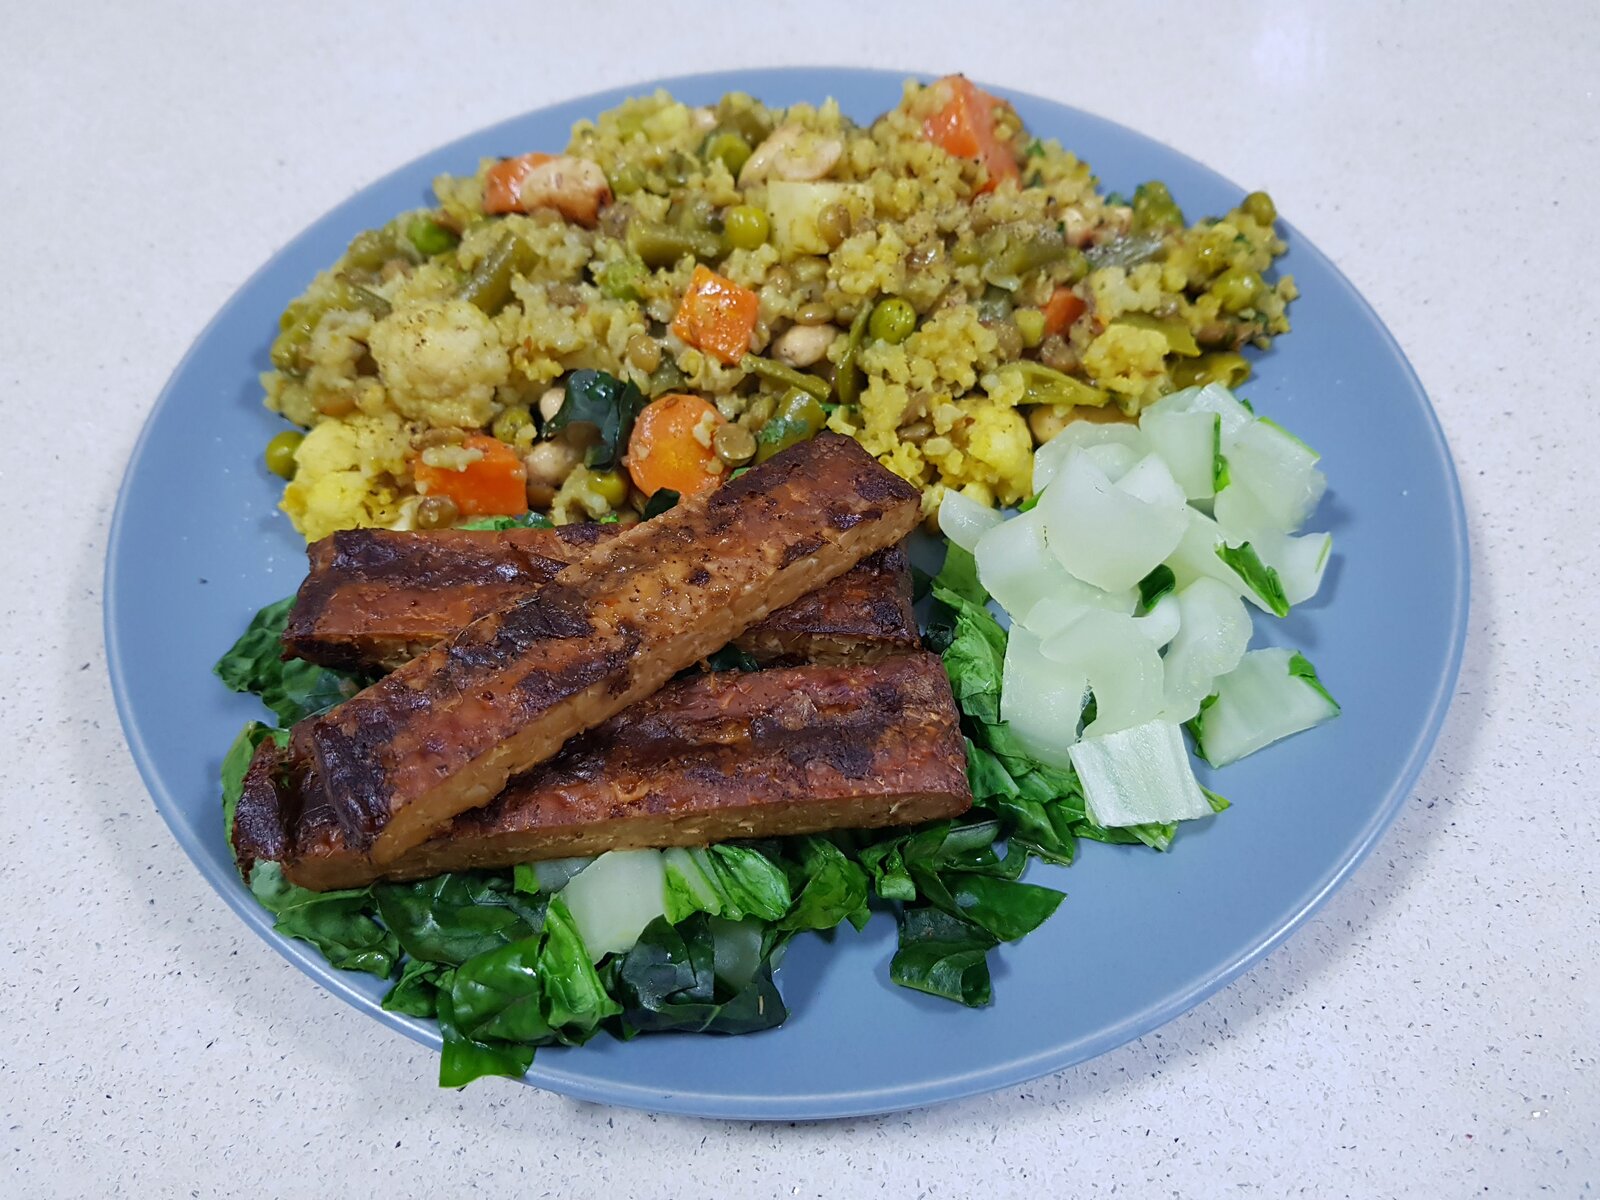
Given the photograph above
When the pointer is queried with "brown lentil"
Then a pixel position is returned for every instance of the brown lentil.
(734, 444)
(436, 512)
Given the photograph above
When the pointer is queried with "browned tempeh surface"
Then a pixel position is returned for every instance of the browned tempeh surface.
(446, 731)
(376, 598)
(707, 758)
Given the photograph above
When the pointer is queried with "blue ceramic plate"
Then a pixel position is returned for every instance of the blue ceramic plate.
(197, 546)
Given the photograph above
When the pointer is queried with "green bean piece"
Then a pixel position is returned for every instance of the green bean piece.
(661, 245)
(668, 377)
(892, 320)
(1008, 253)
(786, 376)
(745, 227)
(799, 416)
(994, 304)
(1154, 209)
(677, 169)
(365, 299)
(847, 376)
(299, 321)
(370, 249)
(745, 118)
(1128, 250)
(1045, 385)
(431, 238)
(280, 453)
(1180, 338)
(1226, 367)
(489, 285)
(620, 278)
(727, 147)
(1259, 207)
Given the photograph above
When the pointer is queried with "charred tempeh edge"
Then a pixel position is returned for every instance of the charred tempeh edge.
(376, 598)
(445, 732)
(707, 758)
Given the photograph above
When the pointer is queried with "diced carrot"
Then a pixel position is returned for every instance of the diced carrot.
(717, 315)
(964, 127)
(502, 184)
(1065, 306)
(670, 445)
(495, 485)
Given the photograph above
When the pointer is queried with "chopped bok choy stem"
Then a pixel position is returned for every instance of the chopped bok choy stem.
(1269, 695)
(1139, 776)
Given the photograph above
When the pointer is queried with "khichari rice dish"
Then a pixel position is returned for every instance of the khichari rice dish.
(683, 291)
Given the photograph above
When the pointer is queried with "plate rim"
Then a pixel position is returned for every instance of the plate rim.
(732, 1105)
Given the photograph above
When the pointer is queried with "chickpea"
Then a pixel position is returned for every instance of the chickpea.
(1045, 421)
(549, 463)
(803, 345)
(550, 404)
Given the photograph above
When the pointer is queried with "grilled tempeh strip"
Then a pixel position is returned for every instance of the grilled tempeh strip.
(445, 732)
(376, 598)
(707, 758)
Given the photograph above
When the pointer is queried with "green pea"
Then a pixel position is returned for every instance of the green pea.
(510, 422)
(892, 320)
(728, 148)
(745, 226)
(1260, 208)
(280, 453)
(430, 237)
(1238, 288)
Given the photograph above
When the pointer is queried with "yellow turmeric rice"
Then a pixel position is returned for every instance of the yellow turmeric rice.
(940, 284)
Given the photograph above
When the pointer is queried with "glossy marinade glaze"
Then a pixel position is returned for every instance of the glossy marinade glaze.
(708, 758)
(446, 731)
(374, 599)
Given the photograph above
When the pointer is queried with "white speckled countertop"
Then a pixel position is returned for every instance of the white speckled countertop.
(1432, 1032)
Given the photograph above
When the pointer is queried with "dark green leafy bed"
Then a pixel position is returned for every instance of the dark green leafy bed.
(495, 958)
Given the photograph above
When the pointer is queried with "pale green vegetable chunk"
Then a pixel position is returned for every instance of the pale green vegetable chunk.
(1110, 534)
(1041, 700)
(1139, 776)
(615, 897)
(1271, 694)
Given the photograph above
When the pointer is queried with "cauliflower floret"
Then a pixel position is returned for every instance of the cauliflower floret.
(440, 363)
(345, 473)
(992, 448)
(1128, 361)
